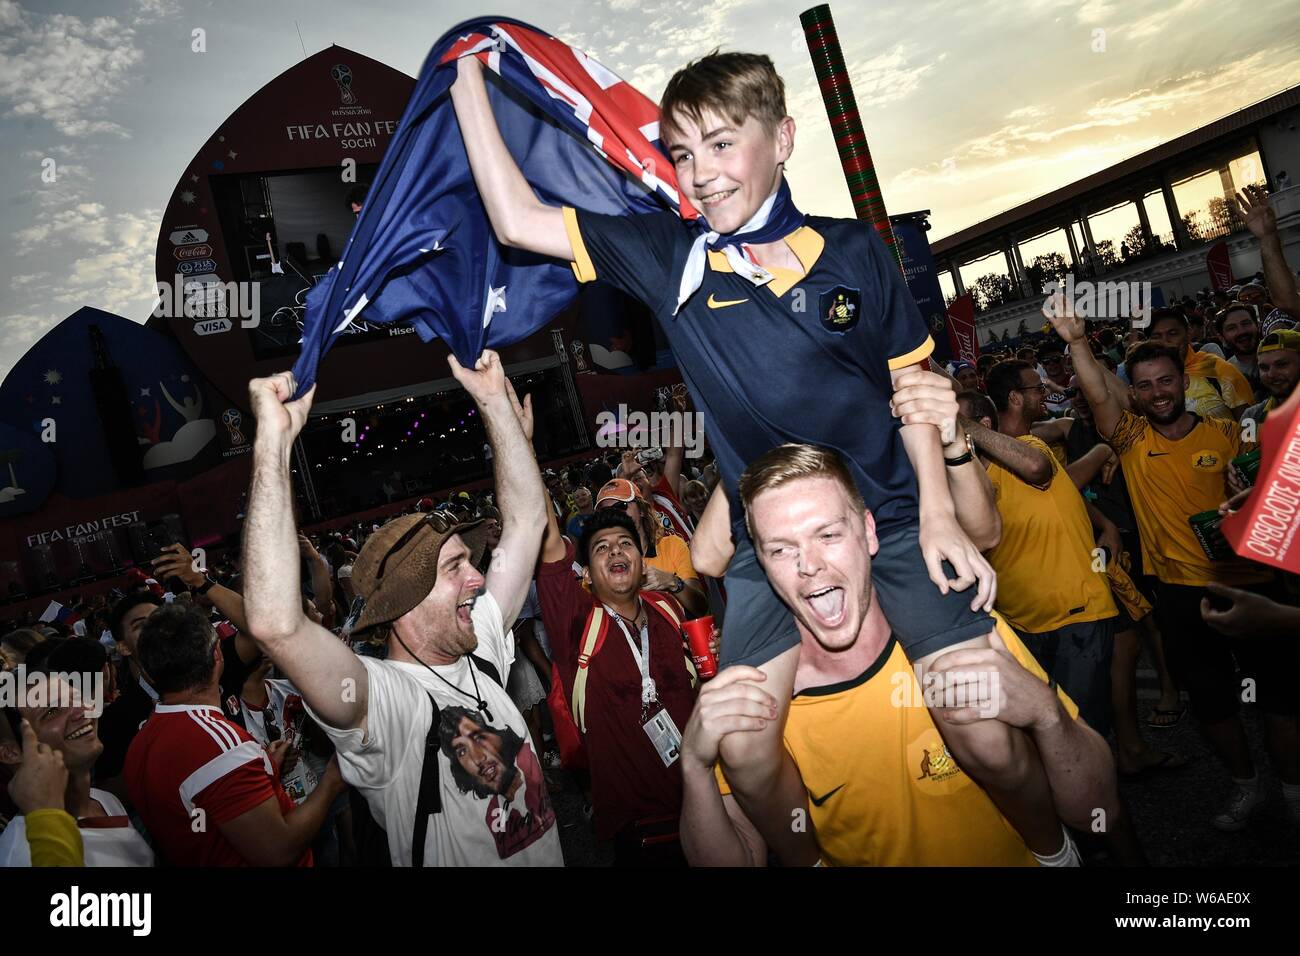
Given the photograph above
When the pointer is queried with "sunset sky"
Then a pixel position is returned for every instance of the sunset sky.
(970, 107)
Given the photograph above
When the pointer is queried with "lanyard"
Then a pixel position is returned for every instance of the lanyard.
(648, 694)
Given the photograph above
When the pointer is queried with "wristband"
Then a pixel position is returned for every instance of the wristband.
(207, 585)
(970, 451)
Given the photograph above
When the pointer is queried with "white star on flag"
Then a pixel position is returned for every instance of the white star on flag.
(53, 377)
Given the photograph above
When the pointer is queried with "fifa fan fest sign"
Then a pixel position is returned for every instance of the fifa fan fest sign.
(1265, 528)
(327, 119)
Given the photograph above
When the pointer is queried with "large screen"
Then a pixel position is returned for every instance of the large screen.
(285, 231)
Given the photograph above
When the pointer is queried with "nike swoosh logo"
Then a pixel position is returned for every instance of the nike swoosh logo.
(715, 304)
(818, 802)
(1156, 454)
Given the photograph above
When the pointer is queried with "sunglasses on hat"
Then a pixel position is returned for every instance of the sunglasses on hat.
(439, 521)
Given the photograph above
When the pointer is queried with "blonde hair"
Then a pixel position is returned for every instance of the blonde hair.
(794, 462)
(733, 85)
(650, 522)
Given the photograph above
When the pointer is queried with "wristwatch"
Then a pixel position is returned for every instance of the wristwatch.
(678, 587)
(962, 459)
(207, 585)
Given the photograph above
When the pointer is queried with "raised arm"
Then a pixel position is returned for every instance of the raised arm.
(1024, 461)
(1106, 409)
(519, 493)
(941, 535)
(330, 677)
(518, 217)
(931, 398)
(322, 587)
(1052, 431)
(711, 545)
(1261, 220)
(553, 539)
(176, 562)
(674, 455)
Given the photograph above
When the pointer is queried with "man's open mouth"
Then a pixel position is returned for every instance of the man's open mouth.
(619, 567)
(827, 605)
(85, 730)
(464, 608)
(714, 199)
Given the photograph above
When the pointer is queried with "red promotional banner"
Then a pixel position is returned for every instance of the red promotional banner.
(961, 329)
(1264, 530)
(1219, 267)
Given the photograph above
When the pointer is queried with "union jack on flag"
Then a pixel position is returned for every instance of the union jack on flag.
(423, 251)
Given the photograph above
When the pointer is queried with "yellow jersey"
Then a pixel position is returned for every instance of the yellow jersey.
(1214, 385)
(1048, 575)
(883, 790)
(673, 556)
(1168, 482)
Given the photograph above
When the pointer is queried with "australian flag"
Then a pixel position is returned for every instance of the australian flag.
(423, 251)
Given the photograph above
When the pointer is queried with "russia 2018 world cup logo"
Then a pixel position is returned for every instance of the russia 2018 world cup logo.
(343, 77)
(231, 419)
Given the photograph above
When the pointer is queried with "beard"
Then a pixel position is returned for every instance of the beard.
(1280, 395)
(1167, 418)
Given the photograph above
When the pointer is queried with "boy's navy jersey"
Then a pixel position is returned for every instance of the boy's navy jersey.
(801, 359)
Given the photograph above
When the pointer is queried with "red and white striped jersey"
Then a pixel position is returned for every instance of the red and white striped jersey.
(190, 770)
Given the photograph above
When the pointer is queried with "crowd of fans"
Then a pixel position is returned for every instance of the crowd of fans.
(298, 701)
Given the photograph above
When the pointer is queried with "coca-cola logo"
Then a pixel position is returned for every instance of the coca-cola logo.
(197, 251)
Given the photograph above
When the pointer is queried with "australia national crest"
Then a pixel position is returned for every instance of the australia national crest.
(840, 308)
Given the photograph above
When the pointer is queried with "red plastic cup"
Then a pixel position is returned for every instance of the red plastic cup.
(698, 634)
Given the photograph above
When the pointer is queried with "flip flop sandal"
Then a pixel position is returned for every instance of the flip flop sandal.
(1157, 712)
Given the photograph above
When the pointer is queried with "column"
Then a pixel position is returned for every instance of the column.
(958, 286)
(1075, 263)
(1181, 239)
(1145, 223)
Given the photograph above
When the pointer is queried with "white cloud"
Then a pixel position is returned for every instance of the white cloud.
(150, 11)
(1159, 23)
(1110, 130)
(109, 265)
(63, 68)
(1095, 11)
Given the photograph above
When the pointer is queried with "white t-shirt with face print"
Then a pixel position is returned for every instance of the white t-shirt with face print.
(495, 807)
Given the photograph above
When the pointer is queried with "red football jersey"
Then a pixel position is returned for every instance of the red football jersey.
(672, 512)
(189, 770)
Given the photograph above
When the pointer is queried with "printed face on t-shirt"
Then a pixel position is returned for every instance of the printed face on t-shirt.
(483, 757)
